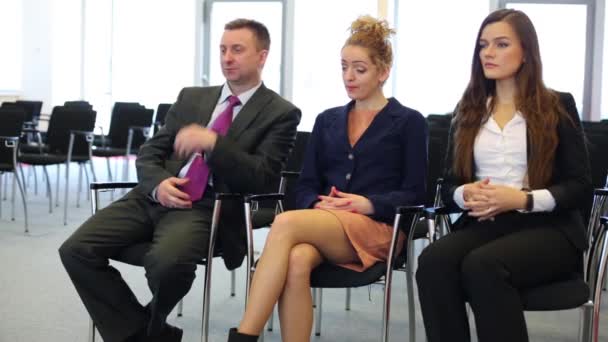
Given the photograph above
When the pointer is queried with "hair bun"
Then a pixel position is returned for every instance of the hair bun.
(373, 28)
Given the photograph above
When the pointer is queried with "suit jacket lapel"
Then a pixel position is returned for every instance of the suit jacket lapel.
(207, 105)
(249, 112)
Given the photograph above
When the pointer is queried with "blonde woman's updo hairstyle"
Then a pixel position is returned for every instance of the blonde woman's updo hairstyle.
(373, 34)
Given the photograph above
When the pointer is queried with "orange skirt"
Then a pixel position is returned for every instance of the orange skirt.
(370, 239)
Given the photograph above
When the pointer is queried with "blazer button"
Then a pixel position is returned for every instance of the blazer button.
(350, 156)
(348, 176)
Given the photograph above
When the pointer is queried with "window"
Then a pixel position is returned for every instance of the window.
(560, 44)
(435, 49)
(10, 58)
(321, 28)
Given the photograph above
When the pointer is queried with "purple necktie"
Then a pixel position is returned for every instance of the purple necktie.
(198, 173)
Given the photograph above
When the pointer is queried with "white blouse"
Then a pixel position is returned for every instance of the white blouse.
(501, 156)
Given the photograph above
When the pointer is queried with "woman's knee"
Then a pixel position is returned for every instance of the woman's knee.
(303, 258)
(282, 227)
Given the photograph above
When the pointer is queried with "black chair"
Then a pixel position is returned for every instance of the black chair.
(69, 139)
(79, 104)
(161, 113)
(129, 128)
(11, 122)
(331, 276)
(134, 255)
(32, 110)
(578, 291)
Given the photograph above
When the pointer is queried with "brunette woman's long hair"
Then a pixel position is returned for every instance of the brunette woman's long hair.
(539, 105)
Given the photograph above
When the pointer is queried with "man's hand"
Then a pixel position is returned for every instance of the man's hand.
(338, 200)
(194, 138)
(169, 195)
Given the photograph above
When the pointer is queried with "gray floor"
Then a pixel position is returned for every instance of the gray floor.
(39, 303)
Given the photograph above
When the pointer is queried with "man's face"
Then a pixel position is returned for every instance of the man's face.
(241, 60)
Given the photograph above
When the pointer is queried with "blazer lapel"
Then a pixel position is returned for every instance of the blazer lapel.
(207, 105)
(249, 112)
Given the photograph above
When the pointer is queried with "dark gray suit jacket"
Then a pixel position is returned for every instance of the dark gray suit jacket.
(247, 160)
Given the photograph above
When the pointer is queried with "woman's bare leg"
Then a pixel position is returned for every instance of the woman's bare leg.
(318, 228)
(295, 303)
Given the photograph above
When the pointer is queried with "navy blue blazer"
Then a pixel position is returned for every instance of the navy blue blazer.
(387, 165)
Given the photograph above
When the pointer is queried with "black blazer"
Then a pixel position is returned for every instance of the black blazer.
(570, 184)
(247, 160)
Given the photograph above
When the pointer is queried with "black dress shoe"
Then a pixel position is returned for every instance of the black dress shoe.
(235, 336)
(169, 333)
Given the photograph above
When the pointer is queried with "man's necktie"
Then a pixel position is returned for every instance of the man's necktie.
(198, 173)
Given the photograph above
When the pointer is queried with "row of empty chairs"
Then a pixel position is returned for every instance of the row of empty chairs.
(69, 138)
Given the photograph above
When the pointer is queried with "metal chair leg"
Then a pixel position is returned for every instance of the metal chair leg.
(585, 327)
(48, 188)
(22, 190)
(5, 187)
(232, 283)
(65, 197)
(13, 197)
(319, 316)
(57, 188)
(79, 186)
(91, 330)
(180, 308)
(270, 325)
(348, 295)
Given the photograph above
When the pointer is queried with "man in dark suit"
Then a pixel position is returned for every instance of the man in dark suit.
(190, 157)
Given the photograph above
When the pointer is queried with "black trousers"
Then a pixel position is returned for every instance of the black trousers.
(180, 238)
(487, 263)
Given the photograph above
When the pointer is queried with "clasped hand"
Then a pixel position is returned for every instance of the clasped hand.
(338, 200)
(485, 200)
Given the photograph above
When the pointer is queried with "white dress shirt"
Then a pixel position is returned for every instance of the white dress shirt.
(501, 156)
(222, 104)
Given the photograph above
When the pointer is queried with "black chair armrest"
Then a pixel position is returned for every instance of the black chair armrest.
(29, 129)
(112, 185)
(601, 192)
(290, 174)
(8, 138)
(264, 197)
(227, 196)
(410, 209)
(442, 211)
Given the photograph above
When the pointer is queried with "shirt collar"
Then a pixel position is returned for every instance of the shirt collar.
(244, 97)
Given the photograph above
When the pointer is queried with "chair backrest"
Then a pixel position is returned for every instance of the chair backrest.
(11, 122)
(62, 121)
(81, 104)
(129, 116)
(161, 112)
(436, 153)
(115, 124)
(32, 109)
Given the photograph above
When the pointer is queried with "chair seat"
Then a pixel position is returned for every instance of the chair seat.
(111, 151)
(32, 148)
(48, 159)
(568, 294)
(262, 217)
(332, 276)
(6, 167)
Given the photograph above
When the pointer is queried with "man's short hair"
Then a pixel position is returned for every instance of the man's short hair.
(259, 31)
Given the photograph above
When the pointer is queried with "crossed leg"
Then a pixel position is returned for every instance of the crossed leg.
(298, 242)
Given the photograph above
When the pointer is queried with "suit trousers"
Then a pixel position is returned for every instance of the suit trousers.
(487, 264)
(180, 238)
